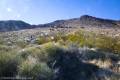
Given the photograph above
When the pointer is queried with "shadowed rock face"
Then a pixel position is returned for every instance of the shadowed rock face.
(13, 25)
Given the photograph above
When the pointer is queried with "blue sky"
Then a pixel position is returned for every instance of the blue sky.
(44, 11)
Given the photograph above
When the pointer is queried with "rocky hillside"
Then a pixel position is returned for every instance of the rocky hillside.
(97, 22)
(12, 25)
(85, 21)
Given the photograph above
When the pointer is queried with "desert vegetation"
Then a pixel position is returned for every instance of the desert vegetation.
(78, 55)
(85, 39)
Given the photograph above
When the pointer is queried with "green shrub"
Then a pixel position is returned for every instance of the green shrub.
(107, 43)
(21, 44)
(36, 71)
(35, 52)
(8, 64)
(92, 40)
(5, 48)
(1, 41)
(117, 47)
(65, 62)
(42, 40)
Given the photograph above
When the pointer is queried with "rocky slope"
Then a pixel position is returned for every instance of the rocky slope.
(12, 25)
(83, 21)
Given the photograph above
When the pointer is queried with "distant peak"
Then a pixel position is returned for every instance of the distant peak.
(86, 16)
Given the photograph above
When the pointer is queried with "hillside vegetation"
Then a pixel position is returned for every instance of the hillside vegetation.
(85, 48)
(79, 55)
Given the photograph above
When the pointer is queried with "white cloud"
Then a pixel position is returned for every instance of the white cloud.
(18, 15)
(9, 9)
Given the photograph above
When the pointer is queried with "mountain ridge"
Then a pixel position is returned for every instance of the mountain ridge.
(83, 21)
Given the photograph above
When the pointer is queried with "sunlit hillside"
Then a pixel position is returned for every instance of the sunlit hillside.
(51, 53)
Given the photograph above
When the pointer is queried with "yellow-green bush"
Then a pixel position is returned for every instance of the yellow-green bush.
(81, 38)
(89, 39)
(35, 52)
(85, 38)
(35, 71)
(21, 44)
(42, 40)
(117, 47)
(51, 38)
(5, 48)
(2, 41)
(8, 64)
